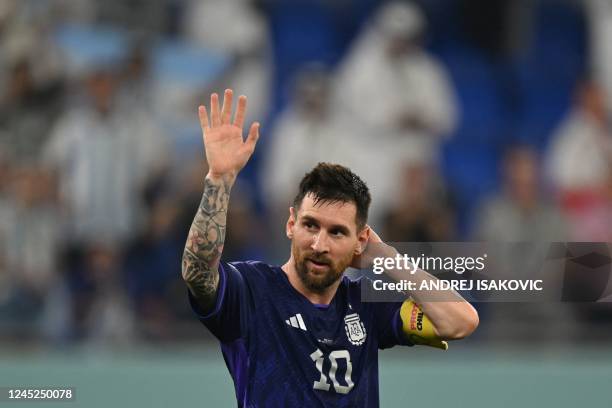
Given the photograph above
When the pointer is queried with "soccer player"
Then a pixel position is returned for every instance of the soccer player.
(298, 335)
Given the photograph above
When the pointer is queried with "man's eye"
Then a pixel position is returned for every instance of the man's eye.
(337, 233)
(309, 225)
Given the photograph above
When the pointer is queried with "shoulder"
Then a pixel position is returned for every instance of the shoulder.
(352, 283)
(251, 265)
(253, 270)
(259, 279)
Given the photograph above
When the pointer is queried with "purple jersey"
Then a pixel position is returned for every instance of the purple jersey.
(284, 351)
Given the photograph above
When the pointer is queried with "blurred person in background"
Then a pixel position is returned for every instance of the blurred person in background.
(100, 311)
(521, 211)
(388, 58)
(579, 162)
(31, 238)
(313, 129)
(594, 222)
(150, 261)
(580, 153)
(31, 78)
(150, 264)
(303, 135)
(523, 221)
(25, 33)
(580, 168)
(419, 110)
(423, 211)
(104, 154)
(28, 110)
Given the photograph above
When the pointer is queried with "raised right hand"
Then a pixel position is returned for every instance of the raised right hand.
(226, 151)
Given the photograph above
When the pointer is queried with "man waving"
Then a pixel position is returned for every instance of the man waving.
(298, 335)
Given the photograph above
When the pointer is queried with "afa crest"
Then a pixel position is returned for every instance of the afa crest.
(355, 330)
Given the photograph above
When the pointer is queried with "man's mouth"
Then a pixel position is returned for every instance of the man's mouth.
(318, 263)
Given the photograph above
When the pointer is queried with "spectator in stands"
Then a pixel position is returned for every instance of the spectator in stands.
(520, 212)
(104, 155)
(419, 107)
(580, 155)
(310, 131)
(151, 265)
(423, 211)
(593, 223)
(30, 241)
(314, 129)
(28, 109)
(100, 312)
(303, 135)
(527, 222)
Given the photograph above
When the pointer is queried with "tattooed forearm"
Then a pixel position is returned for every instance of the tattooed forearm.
(205, 242)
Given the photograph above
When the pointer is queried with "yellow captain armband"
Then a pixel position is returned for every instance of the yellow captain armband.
(418, 328)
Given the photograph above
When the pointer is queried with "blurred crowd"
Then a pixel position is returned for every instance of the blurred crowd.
(482, 120)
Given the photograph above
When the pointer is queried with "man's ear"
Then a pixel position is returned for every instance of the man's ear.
(362, 240)
(290, 223)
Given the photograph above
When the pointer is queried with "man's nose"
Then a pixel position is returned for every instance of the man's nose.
(320, 242)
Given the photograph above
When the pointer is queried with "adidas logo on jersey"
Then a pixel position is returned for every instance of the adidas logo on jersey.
(296, 321)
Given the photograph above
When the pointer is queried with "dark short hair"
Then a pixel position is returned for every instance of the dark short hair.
(335, 183)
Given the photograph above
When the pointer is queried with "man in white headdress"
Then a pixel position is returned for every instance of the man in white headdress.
(418, 109)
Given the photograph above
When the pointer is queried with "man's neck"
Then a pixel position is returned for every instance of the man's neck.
(316, 298)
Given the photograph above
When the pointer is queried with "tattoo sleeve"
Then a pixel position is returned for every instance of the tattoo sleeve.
(205, 243)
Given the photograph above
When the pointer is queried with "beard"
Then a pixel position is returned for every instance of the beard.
(319, 281)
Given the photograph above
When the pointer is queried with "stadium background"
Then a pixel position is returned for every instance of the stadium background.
(101, 165)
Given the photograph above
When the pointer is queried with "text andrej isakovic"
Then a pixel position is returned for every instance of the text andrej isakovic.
(434, 264)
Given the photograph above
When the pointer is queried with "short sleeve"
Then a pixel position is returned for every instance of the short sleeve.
(227, 320)
(389, 325)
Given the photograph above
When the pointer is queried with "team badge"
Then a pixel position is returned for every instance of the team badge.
(355, 330)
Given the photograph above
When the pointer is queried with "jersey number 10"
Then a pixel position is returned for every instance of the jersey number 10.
(317, 356)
